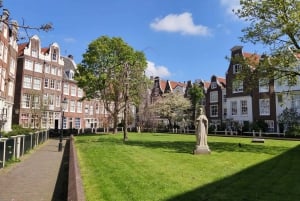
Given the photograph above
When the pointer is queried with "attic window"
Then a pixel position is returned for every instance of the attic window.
(54, 55)
(213, 85)
(237, 68)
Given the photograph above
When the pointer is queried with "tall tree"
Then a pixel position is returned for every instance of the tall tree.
(196, 95)
(112, 71)
(172, 106)
(275, 24)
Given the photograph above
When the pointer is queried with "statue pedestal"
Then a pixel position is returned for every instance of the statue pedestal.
(202, 150)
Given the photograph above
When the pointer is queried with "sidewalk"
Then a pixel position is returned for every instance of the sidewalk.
(35, 177)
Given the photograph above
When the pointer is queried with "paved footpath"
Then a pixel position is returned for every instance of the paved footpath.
(34, 178)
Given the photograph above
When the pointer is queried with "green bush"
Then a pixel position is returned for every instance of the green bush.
(295, 130)
(18, 130)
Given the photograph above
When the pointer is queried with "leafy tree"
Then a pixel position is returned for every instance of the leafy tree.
(172, 106)
(288, 118)
(196, 95)
(275, 24)
(112, 71)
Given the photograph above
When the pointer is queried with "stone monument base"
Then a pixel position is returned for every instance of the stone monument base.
(202, 150)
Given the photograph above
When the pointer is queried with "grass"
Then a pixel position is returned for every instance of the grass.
(162, 167)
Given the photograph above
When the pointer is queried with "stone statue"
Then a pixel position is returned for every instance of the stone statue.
(201, 134)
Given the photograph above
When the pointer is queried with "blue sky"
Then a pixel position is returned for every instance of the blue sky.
(182, 39)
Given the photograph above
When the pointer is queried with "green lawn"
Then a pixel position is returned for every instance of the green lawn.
(162, 167)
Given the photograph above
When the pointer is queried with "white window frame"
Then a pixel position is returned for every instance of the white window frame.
(214, 110)
(27, 83)
(236, 68)
(244, 107)
(264, 107)
(28, 65)
(237, 86)
(213, 96)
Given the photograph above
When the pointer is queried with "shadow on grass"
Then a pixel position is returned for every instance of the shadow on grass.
(187, 147)
(274, 180)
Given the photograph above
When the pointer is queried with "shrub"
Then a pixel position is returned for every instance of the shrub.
(18, 130)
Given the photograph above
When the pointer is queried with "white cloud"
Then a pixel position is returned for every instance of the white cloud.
(182, 23)
(153, 70)
(230, 5)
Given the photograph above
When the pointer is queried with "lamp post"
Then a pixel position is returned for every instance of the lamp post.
(63, 107)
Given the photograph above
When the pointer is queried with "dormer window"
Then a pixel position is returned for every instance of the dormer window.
(54, 55)
(237, 68)
(70, 74)
(213, 85)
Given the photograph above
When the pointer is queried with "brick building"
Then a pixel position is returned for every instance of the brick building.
(8, 60)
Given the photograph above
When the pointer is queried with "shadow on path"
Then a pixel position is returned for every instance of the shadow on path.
(61, 187)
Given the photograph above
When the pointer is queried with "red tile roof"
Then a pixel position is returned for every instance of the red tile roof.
(21, 48)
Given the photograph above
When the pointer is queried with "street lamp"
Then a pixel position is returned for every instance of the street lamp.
(63, 107)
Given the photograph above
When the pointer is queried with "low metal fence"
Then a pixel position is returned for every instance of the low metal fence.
(14, 147)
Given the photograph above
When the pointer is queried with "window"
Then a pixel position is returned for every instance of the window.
(57, 101)
(236, 68)
(34, 53)
(86, 109)
(244, 107)
(11, 89)
(38, 68)
(91, 110)
(79, 107)
(25, 101)
(47, 68)
(12, 67)
(45, 99)
(66, 88)
(214, 110)
(264, 85)
(52, 84)
(51, 100)
(53, 70)
(237, 86)
(233, 108)
(213, 96)
(37, 83)
(73, 91)
(79, 92)
(28, 65)
(25, 120)
(27, 82)
(77, 122)
(264, 106)
(72, 106)
(46, 83)
(295, 101)
(54, 55)
(58, 85)
(58, 71)
(225, 112)
(3, 76)
(64, 122)
(36, 102)
(213, 85)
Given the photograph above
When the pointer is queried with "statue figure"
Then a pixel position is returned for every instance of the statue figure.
(201, 134)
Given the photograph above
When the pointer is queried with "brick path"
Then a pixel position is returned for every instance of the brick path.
(34, 178)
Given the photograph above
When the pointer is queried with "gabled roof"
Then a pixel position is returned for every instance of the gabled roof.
(21, 48)
(252, 58)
